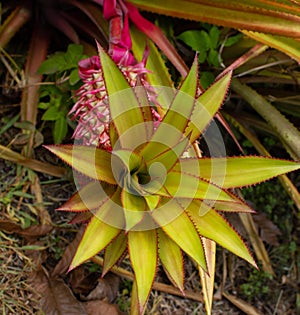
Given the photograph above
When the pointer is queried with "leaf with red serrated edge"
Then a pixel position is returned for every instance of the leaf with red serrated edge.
(134, 303)
(172, 259)
(81, 217)
(182, 185)
(178, 226)
(90, 197)
(228, 206)
(226, 172)
(113, 252)
(99, 233)
(170, 131)
(142, 246)
(90, 161)
(213, 226)
(125, 109)
(275, 17)
(208, 279)
(207, 106)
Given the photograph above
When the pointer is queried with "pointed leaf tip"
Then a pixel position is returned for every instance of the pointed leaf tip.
(90, 161)
(142, 246)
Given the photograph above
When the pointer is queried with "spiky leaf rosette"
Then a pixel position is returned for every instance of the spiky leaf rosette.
(146, 195)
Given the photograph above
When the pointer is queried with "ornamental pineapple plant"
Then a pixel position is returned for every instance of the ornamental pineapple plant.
(148, 191)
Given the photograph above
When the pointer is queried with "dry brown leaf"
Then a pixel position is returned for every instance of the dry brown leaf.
(55, 296)
(32, 231)
(268, 231)
(107, 288)
(101, 308)
(82, 282)
(65, 261)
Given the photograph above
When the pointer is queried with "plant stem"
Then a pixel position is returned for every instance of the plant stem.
(285, 129)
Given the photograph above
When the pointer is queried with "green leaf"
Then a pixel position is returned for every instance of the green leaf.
(202, 55)
(113, 252)
(226, 172)
(126, 113)
(60, 129)
(74, 51)
(142, 246)
(215, 227)
(230, 41)
(53, 64)
(214, 34)
(90, 161)
(98, 234)
(207, 106)
(170, 131)
(197, 40)
(206, 79)
(74, 77)
(172, 219)
(172, 259)
(52, 113)
(213, 58)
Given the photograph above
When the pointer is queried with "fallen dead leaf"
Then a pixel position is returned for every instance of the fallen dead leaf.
(65, 261)
(101, 308)
(31, 232)
(56, 297)
(107, 288)
(82, 282)
(268, 231)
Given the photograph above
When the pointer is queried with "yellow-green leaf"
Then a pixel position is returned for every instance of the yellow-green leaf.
(287, 45)
(177, 225)
(113, 252)
(183, 185)
(99, 232)
(215, 227)
(134, 207)
(125, 110)
(263, 16)
(142, 246)
(208, 279)
(158, 75)
(171, 129)
(90, 161)
(172, 259)
(226, 172)
(207, 106)
(90, 197)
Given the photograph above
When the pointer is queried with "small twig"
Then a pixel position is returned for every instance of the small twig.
(277, 303)
(156, 285)
(268, 65)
